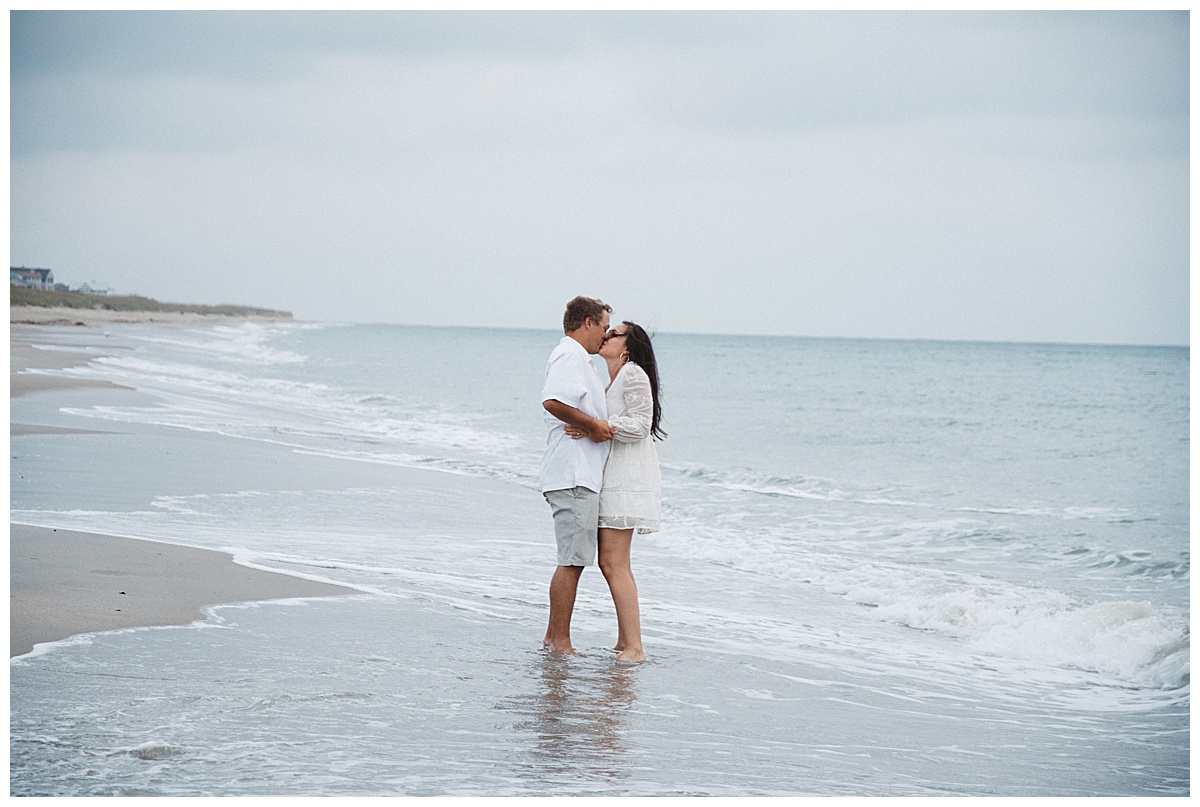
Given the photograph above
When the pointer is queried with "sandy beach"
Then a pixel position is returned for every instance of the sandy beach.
(25, 320)
(84, 317)
(23, 356)
(63, 583)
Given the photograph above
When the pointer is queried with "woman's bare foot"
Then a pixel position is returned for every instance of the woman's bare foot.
(631, 655)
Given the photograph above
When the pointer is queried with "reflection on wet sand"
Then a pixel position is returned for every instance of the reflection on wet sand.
(578, 715)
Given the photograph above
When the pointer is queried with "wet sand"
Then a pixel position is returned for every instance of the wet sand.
(22, 355)
(63, 583)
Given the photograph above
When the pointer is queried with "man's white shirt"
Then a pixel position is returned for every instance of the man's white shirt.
(571, 378)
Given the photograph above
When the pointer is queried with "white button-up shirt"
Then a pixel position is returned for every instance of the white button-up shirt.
(571, 378)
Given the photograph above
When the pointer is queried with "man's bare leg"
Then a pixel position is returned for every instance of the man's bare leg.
(563, 586)
(615, 564)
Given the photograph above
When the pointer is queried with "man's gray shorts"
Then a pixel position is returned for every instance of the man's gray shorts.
(576, 513)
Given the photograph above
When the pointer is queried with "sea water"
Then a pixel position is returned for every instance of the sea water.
(885, 568)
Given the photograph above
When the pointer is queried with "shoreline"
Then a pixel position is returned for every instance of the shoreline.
(25, 321)
(90, 317)
(64, 583)
(22, 355)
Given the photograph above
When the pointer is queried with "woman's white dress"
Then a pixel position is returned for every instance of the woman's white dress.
(631, 496)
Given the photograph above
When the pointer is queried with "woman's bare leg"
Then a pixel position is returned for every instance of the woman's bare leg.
(615, 564)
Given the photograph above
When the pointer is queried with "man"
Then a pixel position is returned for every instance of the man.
(572, 470)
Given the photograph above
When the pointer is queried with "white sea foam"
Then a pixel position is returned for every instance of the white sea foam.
(277, 410)
(244, 343)
(1130, 640)
(823, 489)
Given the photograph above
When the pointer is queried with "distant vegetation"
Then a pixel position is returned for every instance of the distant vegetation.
(114, 302)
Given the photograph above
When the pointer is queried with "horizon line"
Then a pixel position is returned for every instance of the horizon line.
(956, 340)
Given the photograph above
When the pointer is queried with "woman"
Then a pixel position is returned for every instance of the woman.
(631, 496)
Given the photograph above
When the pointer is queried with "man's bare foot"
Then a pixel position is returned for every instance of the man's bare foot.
(631, 655)
(566, 650)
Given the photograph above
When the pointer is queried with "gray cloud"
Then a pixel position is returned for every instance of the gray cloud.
(998, 176)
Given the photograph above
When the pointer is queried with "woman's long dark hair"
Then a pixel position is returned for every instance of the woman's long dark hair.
(641, 353)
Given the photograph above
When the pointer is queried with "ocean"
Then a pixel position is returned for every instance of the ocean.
(886, 568)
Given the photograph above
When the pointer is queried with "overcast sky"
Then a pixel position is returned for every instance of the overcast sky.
(997, 176)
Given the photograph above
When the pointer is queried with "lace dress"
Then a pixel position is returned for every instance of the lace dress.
(631, 496)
